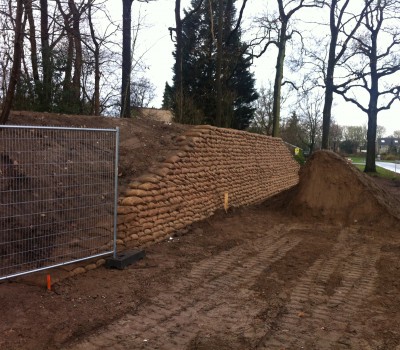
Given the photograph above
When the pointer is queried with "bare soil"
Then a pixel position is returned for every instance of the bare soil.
(143, 142)
(295, 272)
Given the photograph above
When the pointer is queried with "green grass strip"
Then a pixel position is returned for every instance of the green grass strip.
(380, 172)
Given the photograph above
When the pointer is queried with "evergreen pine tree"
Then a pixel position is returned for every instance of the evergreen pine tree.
(200, 33)
(168, 97)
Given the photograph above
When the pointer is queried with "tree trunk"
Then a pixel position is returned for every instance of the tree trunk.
(97, 77)
(32, 39)
(372, 107)
(370, 165)
(126, 59)
(218, 78)
(280, 61)
(326, 114)
(330, 70)
(179, 68)
(20, 99)
(46, 57)
(96, 52)
(76, 79)
(16, 67)
(67, 86)
(68, 69)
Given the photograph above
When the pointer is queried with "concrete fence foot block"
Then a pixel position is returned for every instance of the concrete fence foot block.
(125, 259)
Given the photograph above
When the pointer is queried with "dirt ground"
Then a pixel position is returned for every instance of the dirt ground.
(285, 274)
(143, 142)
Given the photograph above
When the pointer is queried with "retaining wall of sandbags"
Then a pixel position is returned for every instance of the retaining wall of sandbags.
(211, 166)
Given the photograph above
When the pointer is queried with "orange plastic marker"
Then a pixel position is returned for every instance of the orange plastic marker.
(48, 282)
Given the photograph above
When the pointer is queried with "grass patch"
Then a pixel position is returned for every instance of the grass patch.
(362, 160)
(386, 174)
(359, 166)
(380, 172)
(357, 159)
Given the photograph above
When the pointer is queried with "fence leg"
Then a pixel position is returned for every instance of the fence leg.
(116, 191)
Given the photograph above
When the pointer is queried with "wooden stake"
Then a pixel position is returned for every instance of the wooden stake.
(226, 201)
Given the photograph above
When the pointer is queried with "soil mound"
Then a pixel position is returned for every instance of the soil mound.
(332, 188)
(143, 141)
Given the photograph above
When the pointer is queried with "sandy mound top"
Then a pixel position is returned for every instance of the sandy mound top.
(334, 189)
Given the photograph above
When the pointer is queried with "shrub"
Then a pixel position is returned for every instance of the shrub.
(386, 156)
(300, 158)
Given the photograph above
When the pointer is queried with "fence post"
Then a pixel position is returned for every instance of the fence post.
(116, 191)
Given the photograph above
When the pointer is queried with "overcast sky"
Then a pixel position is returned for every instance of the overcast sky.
(155, 42)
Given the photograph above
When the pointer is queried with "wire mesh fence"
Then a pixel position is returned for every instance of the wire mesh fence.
(57, 196)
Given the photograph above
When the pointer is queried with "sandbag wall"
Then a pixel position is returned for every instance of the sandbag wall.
(193, 182)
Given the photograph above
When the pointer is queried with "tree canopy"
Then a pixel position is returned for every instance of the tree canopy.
(200, 57)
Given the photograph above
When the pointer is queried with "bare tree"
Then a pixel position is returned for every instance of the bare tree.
(262, 121)
(396, 134)
(126, 56)
(380, 131)
(278, 32)
(6, 47)
(374, 58)
(96, 43)
(46, 56)
(16, 67)
(335, 135)
(33, 51)
(354, 138)
(142, 93)
(96, 53)
(72, 14)
(77, 12)
(178, 59)
(310, 113)
(339, 21)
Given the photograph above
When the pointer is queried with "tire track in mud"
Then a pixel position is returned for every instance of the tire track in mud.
(215, 289)
(325, 293)
(317, 318)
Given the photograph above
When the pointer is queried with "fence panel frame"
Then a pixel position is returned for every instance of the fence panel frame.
(116, 135)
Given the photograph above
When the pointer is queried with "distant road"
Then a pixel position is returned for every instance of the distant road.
(389, 166)
(386, 165)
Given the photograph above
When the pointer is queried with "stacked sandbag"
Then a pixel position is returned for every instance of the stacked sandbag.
(211, 165)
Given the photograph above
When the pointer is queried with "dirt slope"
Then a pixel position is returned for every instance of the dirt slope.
(332, 188)
(143, 141)
(252, 278)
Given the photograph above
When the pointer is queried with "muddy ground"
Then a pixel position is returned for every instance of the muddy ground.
(261, 277)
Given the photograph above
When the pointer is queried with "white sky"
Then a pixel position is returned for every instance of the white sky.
(155, 42)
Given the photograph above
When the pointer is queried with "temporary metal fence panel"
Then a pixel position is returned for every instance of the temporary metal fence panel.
(58, 196)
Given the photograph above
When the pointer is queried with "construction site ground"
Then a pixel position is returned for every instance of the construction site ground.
(259, 277)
